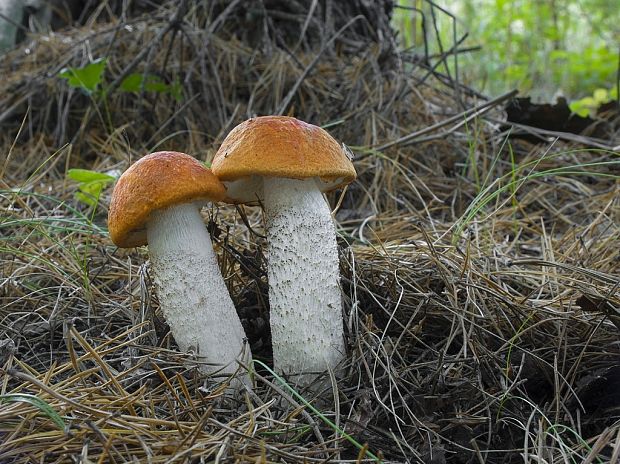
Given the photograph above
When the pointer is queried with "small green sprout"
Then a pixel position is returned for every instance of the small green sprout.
(136, 82)
(87, 78)
(91, 184)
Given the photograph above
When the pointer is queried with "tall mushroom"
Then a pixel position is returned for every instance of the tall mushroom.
(286, 164)
(157, 201)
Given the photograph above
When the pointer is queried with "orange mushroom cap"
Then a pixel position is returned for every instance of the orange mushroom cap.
(157, 181)
(282, 146)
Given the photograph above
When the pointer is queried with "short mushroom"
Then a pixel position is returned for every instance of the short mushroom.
(157, 201)
(287, 164)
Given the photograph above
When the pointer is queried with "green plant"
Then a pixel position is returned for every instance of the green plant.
(512, 181)
(37, 402)
(90, 184)
(322, 416)
(538, 47)
(150, 83)
(89, 79)
(587, 106)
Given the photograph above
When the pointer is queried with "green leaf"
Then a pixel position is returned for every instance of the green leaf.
(91, 185)
(86, 175)
(86, 78)
(86, 199)
(136, 82)
(579, 110)
(92, 188)
(601, 95)
(37, 402)
(132, 83)
(156, 84)
(583, 107)
(89, 192)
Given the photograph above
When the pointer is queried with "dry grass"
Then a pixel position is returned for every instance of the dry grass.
(480, 274)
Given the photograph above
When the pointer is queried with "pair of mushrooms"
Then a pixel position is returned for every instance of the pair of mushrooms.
(286, 165)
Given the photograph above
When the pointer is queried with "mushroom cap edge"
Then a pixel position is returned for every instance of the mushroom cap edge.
(281, 146)
(158, 180)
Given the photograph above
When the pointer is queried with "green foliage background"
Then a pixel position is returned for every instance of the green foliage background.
(541, 47)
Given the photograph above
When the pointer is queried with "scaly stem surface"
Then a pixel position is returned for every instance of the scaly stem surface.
(304, 275)
(191, 290)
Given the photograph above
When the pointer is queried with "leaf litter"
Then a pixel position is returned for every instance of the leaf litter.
(480, 272)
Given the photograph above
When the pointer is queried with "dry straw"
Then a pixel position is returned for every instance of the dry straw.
(480, 273)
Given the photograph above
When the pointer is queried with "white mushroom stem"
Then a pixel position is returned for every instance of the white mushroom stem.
(304, 274)
(191, 290)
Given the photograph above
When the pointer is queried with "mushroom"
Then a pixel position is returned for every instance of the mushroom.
(287, 164)
(157, 201)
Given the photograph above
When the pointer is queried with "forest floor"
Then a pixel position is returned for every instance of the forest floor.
(480, 271)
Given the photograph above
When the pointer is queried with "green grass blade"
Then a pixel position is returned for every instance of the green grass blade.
(38, 403)
(333, 426)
